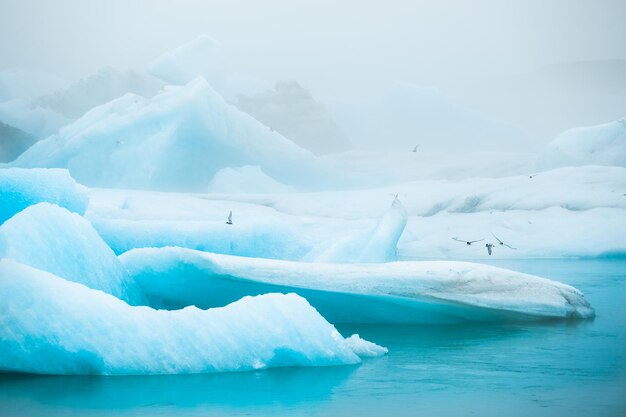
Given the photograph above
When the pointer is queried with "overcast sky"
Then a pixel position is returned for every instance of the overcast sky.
(475, 52)
(327, 45)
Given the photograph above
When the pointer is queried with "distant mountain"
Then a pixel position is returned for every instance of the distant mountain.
(23, 84)
(293, 112)
(13, 142)
(103, 86)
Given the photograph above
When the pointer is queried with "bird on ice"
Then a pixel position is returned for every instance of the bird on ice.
(468, 242)
(230, 218)
(489, 247)
(502, 243)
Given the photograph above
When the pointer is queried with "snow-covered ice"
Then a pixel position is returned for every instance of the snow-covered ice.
(568, 212)
(20, 188)
(441, 292)
(245, 179)
(52, 326)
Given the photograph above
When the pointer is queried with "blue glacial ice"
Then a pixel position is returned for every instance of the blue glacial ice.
(20, 188)
(397, 292)
(177, 140)
(52, 326)
(51, 238)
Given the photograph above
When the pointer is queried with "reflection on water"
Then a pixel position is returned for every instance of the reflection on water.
(246, 390)
(514, 369)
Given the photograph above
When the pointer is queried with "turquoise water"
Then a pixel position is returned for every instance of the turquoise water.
(547, 369)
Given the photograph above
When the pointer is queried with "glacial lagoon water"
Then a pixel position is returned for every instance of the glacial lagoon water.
(540, 369)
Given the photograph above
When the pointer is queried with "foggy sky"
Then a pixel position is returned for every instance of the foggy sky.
(327, 45)
(334, 48)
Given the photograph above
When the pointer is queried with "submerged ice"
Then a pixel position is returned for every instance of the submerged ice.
(52, 326)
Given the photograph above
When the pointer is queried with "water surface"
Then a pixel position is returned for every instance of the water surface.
(551, 368)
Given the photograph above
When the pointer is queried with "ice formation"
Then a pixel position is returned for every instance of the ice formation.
(52, 326)
(20, 188)
(245, 179)
(203, 57)
(52, 239)
(567, 212)
(178, 140)
(398, 292)
(377, 245)
(595, 145)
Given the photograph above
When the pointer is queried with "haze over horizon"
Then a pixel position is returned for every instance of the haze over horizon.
(518, 63)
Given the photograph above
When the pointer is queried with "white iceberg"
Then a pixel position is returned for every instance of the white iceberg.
(20, 188)
(604, 144)
(52, 326)
(375, 246)
(177, 140)
(245, 179)
(397, 292)
(52, 239)
(203, 57)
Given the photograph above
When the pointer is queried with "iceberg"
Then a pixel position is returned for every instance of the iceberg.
(604, 144)
(177, 140)
(203, 57)
(52, 326)
(20, 188)
(566, 212)
(438, 292)
(377, 245)
(52, 239)
(245, 179)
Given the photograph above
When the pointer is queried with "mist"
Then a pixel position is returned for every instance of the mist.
(538, 67)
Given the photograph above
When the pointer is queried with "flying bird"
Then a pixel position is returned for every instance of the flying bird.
(230, 218)
(415, 149)
(468, 242)
(502, 243)
(489, 248)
